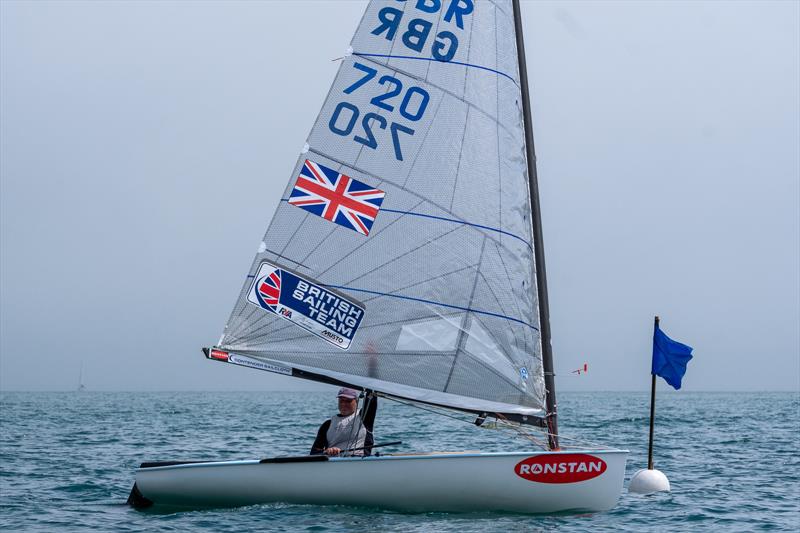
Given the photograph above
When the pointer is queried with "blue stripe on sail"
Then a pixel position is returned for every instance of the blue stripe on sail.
(481, 226)
(471, 310)
(481, 67)
(498, 230)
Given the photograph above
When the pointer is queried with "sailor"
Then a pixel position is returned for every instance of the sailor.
(350, 429)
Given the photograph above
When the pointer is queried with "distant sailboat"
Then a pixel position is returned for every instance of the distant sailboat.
(81, 386)
(406, 258)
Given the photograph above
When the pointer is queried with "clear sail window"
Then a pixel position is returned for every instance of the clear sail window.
(480, 345)
(434, 335)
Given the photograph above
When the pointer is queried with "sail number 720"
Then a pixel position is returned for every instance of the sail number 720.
(411, 107)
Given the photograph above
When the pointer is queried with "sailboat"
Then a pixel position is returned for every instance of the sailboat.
(406, 259)
(81, 386)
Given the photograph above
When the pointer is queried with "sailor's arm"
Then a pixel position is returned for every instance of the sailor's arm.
(321, 442)
(370, 409)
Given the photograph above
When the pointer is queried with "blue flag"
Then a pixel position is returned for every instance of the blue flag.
(669, 358)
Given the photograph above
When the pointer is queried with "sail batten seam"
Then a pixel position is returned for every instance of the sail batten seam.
(464, 222)
(460, 63)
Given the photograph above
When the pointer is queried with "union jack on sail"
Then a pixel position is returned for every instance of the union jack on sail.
(336, 197)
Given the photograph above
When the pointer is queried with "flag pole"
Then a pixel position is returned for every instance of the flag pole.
(652, 407)
(669, 361)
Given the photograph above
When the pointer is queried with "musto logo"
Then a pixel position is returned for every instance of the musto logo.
(560, 468)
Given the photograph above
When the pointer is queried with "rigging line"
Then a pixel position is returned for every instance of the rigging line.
(431, 302)
(504, 424)
(525, 434)
(430, 410)
(561, 436)
(451, 62)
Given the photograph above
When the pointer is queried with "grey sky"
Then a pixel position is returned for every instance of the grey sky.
(145, 145)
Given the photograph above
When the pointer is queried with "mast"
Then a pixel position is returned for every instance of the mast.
(538, 244)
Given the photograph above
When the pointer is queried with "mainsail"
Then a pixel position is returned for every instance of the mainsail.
(400, 258)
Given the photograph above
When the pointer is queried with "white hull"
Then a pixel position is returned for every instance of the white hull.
(415, 483)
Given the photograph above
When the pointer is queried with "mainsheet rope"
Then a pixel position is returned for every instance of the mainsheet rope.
(502, 424)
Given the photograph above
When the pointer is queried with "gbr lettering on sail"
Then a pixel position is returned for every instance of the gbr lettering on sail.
(416, 33)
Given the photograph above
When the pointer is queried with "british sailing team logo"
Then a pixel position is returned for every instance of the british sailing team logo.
(321, 311)
(336, 197)
(268, 290)
(560, 468)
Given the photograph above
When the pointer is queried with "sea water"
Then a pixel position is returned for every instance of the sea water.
(67, 460)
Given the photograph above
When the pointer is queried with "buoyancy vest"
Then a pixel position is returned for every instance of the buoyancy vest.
(347, 432)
